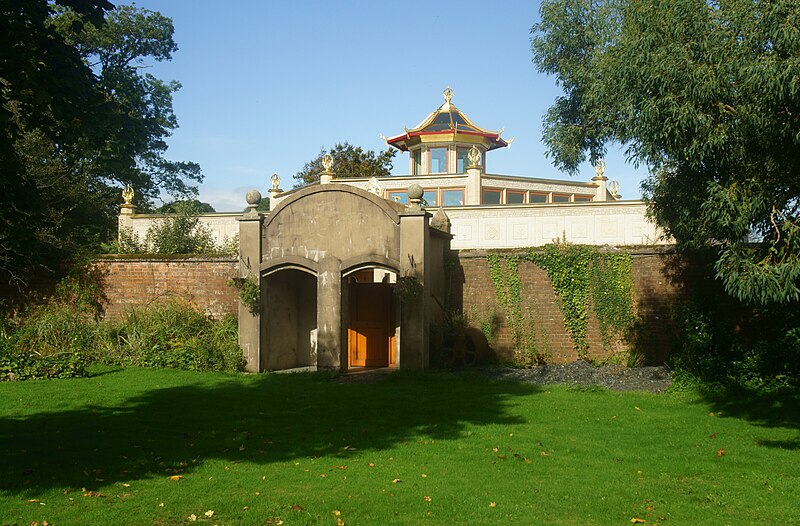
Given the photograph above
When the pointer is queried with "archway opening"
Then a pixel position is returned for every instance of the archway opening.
(372, 319)
(291, 320)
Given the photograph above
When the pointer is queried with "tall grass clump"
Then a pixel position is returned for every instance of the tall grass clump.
(51, 340)
(172, 334)
(62, 336)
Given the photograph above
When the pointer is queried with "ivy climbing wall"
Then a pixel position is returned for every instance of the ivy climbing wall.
(510, 296)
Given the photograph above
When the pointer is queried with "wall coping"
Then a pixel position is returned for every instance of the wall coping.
(633, 250)
(165, 258)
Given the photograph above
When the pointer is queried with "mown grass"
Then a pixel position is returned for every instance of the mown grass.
(414, 449)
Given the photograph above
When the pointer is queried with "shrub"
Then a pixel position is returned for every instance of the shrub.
(62, 336)
(172, 334)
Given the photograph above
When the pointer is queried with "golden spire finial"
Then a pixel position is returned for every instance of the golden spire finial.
(127, 194)
(448, 94)
(327, 162)
(600, 169)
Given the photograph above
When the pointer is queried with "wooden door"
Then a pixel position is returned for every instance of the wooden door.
(370, 335)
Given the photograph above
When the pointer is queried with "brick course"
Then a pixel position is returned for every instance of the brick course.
(131, 281)
(203, 281)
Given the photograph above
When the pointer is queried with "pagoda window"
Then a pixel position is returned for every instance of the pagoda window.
(416, 155)
(462, 160)
(515, 198)
(438, 158)
(492, 197)
(537, 198)
(429, 196)
(452, 197)
(561, 198)
(583, 198)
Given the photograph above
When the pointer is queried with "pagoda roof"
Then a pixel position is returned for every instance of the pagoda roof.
(447, 123)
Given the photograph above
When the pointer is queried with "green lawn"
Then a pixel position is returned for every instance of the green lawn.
(414, 449)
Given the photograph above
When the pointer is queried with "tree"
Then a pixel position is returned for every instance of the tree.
(348, 161)
(706, 94)
(196, 206)
(78, 121)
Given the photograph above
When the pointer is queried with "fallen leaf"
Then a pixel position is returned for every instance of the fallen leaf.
(424, 476)
(209, 513)
(192, 517)
(637, 520)
(34, 500)
(395, 481)
(493, 504)
(712, 435)
(337, 513)
(720, 451)
(93, 494)
(241, 448)
(246, 508)
(297, 507)
(427, 498)
(710, 414)
(126, 485)
(370, 465)
(339, 521)
(176, 477)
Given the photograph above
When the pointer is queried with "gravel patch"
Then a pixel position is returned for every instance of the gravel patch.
(616, 377)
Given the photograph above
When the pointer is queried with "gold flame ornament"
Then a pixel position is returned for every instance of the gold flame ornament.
(127, 194)
(327, 162)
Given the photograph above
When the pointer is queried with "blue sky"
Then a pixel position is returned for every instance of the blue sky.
(267, 84)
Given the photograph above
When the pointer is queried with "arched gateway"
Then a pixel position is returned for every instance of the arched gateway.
(347, 280)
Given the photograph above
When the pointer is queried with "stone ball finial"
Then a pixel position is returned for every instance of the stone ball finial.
(253, 197)
(415, 191)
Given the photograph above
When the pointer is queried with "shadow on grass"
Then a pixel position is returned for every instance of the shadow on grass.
(260, 419)
(771, 410)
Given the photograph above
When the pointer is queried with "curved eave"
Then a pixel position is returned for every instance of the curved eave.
(407, 140)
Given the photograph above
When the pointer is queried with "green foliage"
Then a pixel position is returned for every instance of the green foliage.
(79, 119)
(175, 207)
(711, 354)
(181, 232)
(171, 334)
(249, 293)
(581, 276)
(706, 95)
(348, 161)
(568, 268)
(612, 294)
(507, 286)
(61, 337)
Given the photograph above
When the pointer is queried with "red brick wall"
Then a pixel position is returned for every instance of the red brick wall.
(134, 281)
(131, 281)
(474, 293)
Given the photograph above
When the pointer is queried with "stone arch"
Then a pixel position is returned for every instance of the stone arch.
(313, 253)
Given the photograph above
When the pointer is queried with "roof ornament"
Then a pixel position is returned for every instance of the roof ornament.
(127, 195)
(613, 187)
(276, 181)
(600, 169)
(374, 186)
(474, 156)
(448, 94)
(327, 162)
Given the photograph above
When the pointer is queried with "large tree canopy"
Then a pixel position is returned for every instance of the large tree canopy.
(78, 121)
(706, 94)
(348, 161)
